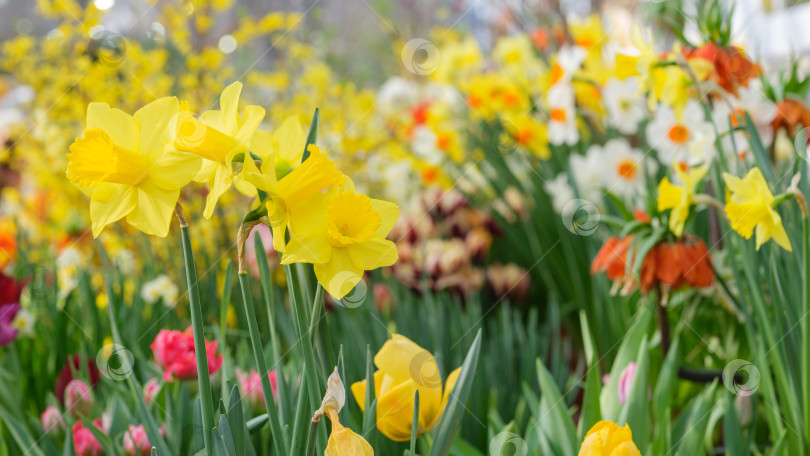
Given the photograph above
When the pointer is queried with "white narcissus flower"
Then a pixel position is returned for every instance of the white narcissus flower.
(24, 322)
(160, 288)
(588, 172)
(560, 191)
(752, 99)
(625, 170)
(562, 124)
(687, 140)
(624, 104)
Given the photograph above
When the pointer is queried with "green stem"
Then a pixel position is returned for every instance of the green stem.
(203, 377)
(805, 364)
(279, 438)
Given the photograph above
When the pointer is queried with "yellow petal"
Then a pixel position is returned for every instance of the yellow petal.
(373, 253)
(229, 104)
(157, 121)
(174, 170)
(339, 275)
(155, 209)
(122, 128)
(449, 386)
(290, 139)
(217, 186)
(389, 213)
(110, 203)
(669, 195)
(251, 118)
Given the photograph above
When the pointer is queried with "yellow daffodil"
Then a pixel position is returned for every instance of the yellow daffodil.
(677, 86)
(284, 148)
(405, 367)
(342, 441)
(342, 233)
(129, 167)
(750, 205)
(679, 197)
(606, 438)
(290, 195)
(217, 137)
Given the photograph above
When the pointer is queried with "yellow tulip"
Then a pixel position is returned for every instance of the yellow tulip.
(606, 438)
(679, 197)
(750, 205)
(217, 137)
(405, 367)
(342, 233)
(128, 166)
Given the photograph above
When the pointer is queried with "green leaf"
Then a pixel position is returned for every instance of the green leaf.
(415, 421)
(591, 410)
(312, 136)
(20, 434)
(226, 435)
(236, 421)
(662, 396)
(635, 411)
(554, 419)
(454, 412)
(628, 351)
(256, 424)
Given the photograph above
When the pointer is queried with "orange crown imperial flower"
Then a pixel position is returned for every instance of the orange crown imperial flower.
(685, 262)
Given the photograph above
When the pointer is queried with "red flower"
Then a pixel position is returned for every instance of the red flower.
(174, 351)
(686, 262)
(732, 68)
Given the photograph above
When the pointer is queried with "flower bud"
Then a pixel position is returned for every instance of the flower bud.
(52, 422)
(136, 441)
(626, 381)
(78, 398)
(150, 390)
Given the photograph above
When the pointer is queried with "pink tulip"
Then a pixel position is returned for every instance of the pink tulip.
(84, 442)
(626, 381)
(174, 351)
(78, 398)
(136, 441)
(52, 421)
(150, 390)
(250, 386)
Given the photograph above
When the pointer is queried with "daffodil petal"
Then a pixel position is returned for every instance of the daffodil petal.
(155, 208)
(229, 104)
(122, 128)
(373, 253)
(339, 275)
(110, 203)
(156, 119)
(389, 213)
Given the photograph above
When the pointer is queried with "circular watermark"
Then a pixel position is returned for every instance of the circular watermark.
(40, 280)
(424, 371)
(108, 48)
(580, 217)
(507, 443)
(740, 66)
(508, 139)
(741, 377)
(420, 56)
(115, 362)
(356, 296)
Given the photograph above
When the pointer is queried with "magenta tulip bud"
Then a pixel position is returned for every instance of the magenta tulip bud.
(78, 398)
